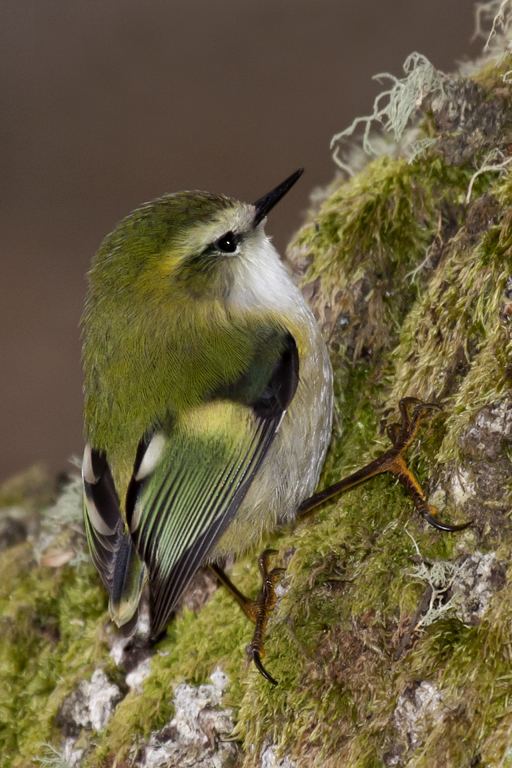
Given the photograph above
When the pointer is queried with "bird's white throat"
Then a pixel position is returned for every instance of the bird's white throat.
(260, 279)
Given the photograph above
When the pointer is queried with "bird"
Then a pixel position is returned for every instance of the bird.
(208, 395)
(208, 401)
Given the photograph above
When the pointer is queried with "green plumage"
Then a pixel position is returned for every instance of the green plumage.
(152, 348)
(165, 353)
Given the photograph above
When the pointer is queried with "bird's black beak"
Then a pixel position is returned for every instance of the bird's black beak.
(265, 204)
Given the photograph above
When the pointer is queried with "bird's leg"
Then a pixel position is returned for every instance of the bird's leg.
(412, 413)
(259, 610)
(248, 606)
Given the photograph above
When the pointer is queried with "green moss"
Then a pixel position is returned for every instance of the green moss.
(379, 215)
(491, 75)
(365, 238)
(31, 488)
(50, 641)
(455, 345)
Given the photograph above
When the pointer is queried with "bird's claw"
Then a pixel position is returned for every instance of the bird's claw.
(429, 514)
(256, 657)
(412, 412)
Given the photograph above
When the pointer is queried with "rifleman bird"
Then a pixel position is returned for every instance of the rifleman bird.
(208, 403)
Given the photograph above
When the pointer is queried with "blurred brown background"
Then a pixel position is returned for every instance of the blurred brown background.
(106, 104)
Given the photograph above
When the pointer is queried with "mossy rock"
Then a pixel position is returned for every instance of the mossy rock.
(392, 641)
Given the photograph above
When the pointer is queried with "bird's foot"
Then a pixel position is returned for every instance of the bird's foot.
(264, 606)
(412, 412)
(258, 611)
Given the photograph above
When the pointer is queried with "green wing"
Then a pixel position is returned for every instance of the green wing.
(189, 482)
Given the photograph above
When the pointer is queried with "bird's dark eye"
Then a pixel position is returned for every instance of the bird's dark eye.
(227, 243)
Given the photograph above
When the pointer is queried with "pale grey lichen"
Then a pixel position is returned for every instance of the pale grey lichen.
(462, 486)
(196, 736)
(72, 754)
(394, 107)
(121, 646)
(417, 709)
(493, 162)
(91, 705)
(462, 588)
(269, 758)
(493, 20)
(491, 428)
(135, 678)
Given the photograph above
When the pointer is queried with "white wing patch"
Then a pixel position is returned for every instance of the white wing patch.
(151, 457)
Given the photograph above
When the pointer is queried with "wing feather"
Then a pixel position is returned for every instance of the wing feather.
(193, 495)
(111, 546)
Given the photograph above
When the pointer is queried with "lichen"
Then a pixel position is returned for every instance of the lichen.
(196, 734)
(393, 108)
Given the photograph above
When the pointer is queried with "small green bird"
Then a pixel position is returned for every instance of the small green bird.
(208, 395)
(208, 404)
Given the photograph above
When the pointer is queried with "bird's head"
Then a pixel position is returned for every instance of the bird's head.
(187, 245)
